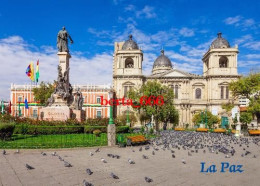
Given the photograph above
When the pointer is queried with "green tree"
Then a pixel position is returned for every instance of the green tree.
(246, 118)
(43, 92)
(165, 112)
(197, 119)
(249, 87)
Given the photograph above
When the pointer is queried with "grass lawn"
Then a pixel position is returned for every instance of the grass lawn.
(56, 141)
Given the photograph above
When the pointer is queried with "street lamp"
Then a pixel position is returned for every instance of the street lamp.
(111, 120)
(127, 117)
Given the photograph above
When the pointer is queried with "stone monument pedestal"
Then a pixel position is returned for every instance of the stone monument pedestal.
(55, 113)
(111, 134)
(78, 115)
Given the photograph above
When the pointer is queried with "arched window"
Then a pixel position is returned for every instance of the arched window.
(198, 93)
(129, 63)
(223, 62)
(176, 92)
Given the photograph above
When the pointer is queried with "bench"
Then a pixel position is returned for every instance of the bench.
(136, 139)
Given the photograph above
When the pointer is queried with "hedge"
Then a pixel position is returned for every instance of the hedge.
(41, 130)
(6, 131)
(35, 130)
(119, 129)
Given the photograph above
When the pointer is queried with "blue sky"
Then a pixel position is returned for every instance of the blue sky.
(184, 28)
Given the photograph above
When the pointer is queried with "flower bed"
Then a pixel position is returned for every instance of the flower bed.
(220, 130)
(179, 129)
(254, 132)
(202, 130)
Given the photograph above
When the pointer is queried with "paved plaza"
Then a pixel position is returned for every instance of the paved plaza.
(161, 167)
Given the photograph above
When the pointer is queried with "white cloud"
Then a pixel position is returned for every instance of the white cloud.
(254, 45)
(232, 20)
(186, 32)
(147, 12)
(130, 8)
(243, 39)
(16, 54)
(253, 56)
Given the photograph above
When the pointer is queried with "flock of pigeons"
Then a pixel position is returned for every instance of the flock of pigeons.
(174, 141)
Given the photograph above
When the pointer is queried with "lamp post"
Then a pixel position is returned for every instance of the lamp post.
(111, 120)
(111, 128)
(127, 117)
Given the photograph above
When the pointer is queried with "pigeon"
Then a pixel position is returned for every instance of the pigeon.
(43, 153)
(117, 156)
(114, 176)
(89, 172)
(183, 161)
(145, 157)
(98, 150)
(227, 156)
(109, 155)
(140, 149)
(189, 154)
(173, 156)
(153, 153)
(131, 161)
(60, 158)
(254, 156)
(133, 150)
(4, 152)
(17, 151)
(91, 154)
(204, 151)
(85, 183)
(103, 160)
(54, 154)
(67, 164)
(148, 180)
(29, 167)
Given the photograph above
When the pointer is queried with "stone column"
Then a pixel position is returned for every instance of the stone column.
(64, 61)
(111, 134)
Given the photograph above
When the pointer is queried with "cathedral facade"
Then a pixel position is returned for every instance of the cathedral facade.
(193, 93)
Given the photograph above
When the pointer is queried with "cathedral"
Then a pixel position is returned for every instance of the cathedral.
(193, 92)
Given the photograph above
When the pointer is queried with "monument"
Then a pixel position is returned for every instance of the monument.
(63, 103)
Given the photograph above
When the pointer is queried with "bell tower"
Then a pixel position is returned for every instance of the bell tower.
(220, 59)
(127, 66)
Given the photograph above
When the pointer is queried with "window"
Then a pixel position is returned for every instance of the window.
(35, 113)
(198, 93)
(222, 92)
(223, 62)
(227, 93)
(99, 114)
(126, 89)
(98, 100)
(176, 92)
(129, 63)
(20, 98)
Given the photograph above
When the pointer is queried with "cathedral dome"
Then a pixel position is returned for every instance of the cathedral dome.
(162, 61)
(130, 44)
(161, 64)
(220, 42)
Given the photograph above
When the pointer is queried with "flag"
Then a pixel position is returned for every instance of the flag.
(26, 104)
(32, 72)
(28, 71)
(37, 72)
(10, 107)
(2, 106)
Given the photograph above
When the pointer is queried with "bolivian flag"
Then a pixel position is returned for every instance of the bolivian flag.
(37, 72)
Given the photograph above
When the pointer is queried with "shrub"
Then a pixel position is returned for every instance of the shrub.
(97, 132)
(96, 122)
(90, 129)
(6, 131)
(122, 129)
(43, 130)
